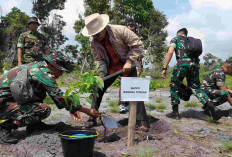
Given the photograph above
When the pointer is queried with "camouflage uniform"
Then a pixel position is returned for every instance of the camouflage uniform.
(42, 82)
(211, 84)
(185, 67)
(34, 45)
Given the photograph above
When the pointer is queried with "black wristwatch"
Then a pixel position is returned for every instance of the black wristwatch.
(164, 69)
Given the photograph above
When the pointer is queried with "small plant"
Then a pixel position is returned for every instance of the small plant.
(159, 100)
(108, 99)
(175, 131)
(88, 84)
(151, 106)
(191, 104)
(228, 145)
(145, 151)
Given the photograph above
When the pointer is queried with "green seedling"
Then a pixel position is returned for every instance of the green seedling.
(175, 131)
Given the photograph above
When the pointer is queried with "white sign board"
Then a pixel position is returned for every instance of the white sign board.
(135, 89)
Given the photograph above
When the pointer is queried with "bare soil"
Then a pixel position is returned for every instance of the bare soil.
(191, 136)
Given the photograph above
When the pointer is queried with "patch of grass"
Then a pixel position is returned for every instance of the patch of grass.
(145, 151)
(114, 107)
(210, 120)
(191, 104)
(48, 100)
(228, 146)
(113, 104)
(114, 110)
(107, 99)
(228, 124)
(159, 100)
(151, 106)
(160, 110)
(161, 107)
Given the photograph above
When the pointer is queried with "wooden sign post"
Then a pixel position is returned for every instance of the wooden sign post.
(134, 89)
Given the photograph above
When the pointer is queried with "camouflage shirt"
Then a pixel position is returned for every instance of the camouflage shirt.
(214, 79)
(181, 56)
(34, 45)
(42, 82)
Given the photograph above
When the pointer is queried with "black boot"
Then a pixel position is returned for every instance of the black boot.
(206, 111)
(40, 126)
(5, 132)
(214, 112)
(175, 112)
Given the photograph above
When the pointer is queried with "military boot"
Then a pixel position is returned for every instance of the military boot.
(175, 112)
(214, 112)
(5, 132)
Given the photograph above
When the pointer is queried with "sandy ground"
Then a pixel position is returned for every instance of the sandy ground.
(191, 136)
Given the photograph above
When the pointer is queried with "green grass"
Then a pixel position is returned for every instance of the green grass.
(151, 106)
(228, 146)
(228, 124)
(114, 107)
(145, 151)
(107, 99)
(159, 100)
(113, 104)
(161, 107)
(48, 100)
(191, 104)
(210, 120)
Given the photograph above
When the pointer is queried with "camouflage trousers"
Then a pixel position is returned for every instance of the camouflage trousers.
(217, 96)
(191, 73)
(22, 115)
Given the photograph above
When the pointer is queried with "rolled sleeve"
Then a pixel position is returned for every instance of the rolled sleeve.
(20, 43)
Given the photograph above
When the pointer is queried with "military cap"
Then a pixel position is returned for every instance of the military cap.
(58, 60)
(33, 20)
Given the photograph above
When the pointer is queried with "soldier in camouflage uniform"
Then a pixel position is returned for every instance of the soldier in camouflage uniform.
(42, 76)
(214, 85)
(32, 45)
(186, 67)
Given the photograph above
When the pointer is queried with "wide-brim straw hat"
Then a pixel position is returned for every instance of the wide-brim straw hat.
(94, 24)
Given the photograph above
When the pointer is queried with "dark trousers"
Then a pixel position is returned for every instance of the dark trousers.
(141, 111)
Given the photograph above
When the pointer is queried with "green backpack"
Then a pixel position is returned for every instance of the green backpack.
(21, 88)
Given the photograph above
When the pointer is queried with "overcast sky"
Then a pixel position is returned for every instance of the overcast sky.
(209, 20)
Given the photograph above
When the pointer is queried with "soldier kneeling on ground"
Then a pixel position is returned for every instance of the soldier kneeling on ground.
(215, 87)
(23, 110)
